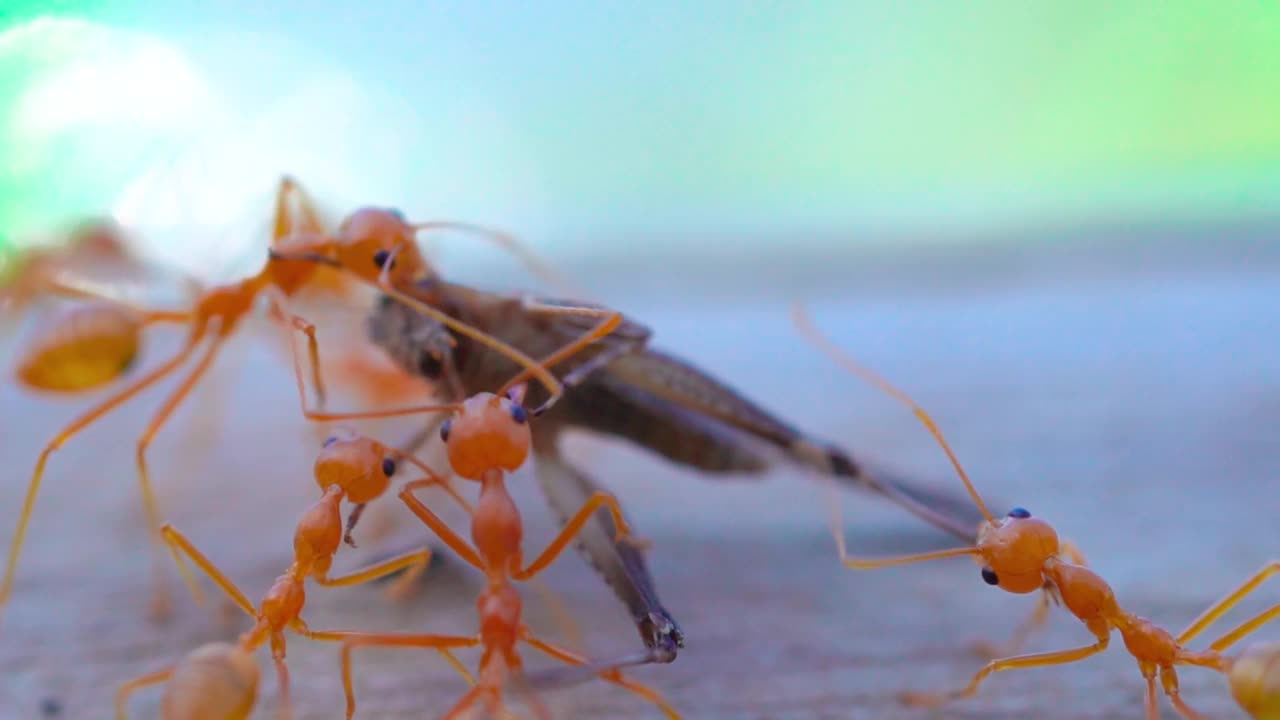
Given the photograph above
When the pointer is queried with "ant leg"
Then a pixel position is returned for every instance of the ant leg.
(415, 561)
(1061, 657)
(296, 215)
(278, 650)
(438, 526)
(1039, 616)
(1221, 607)
(1169, 679)
(573, 527)
(1072, 553)
(80, 423)
(127, 689)
(351, 640)
(330, 417)
(160, 595)
(284, 223)
(313, 346)
(551, 600)
(471, 698)
(178, 542)
(1244, 629)
(871, 563)
(625, 344)
(621, 564)
(435, 478)
(611, 675)
(1151, 703)
(859, 563)
(148, 317)
(610, 320)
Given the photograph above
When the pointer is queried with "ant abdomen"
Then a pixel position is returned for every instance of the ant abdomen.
(216, 681)
(1255, 681)
(83, 348)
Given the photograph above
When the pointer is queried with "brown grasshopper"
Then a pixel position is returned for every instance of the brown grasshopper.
(624, 388)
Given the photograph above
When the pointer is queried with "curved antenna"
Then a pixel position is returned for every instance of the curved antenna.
(842, 358)
(508, 242)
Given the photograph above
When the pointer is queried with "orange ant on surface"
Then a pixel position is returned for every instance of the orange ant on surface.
(1022, 554)
(487, 437)
(376, 247)
(220, 680)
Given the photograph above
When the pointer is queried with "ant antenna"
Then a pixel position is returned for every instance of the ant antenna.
(815, 336)
(507, 242)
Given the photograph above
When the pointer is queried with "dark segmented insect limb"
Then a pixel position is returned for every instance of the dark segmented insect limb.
(621, 564)
(652, 379)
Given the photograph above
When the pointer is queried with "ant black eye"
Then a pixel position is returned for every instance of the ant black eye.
(1020, 513)
(331, 441)
(518, 414)
(989, 576)
(444, 430)
(388, 467)
(380, 258)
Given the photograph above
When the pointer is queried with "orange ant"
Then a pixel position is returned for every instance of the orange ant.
(374, 245)
(371, 374)
(221, 679)
(1022, 554)
(486, 437)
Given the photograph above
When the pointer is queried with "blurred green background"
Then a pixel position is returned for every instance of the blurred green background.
(832, 123)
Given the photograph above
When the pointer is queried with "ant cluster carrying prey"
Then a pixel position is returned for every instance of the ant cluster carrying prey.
(510, 377)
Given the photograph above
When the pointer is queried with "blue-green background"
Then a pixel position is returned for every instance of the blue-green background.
(764, 124)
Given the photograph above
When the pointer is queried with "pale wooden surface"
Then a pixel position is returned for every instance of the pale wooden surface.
(1137, 410)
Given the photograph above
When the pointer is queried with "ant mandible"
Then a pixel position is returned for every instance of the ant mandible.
(1022, 554)
(375, 245)
(221, 679)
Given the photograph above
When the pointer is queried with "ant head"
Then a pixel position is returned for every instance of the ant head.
(490, 432)
(1255, 680)
(217, 677)
(369, 237)
(1014, 550)
(361, 466)
(102, 236)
